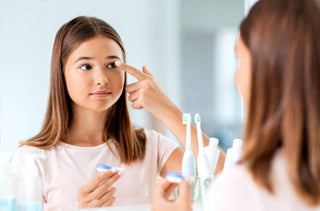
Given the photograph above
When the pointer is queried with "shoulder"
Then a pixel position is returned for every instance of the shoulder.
(23, 152)
(151, 134)
(154, 137)
(39, 155)
(25, 149)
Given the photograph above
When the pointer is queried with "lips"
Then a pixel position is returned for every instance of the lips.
(103, 93)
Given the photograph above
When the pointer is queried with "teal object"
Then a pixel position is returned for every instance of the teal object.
(8, 204)
(189, 168)
(29, 206)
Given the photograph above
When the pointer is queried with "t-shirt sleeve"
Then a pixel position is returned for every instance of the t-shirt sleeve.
(17, 160)
(166, 147)
(21, 154)
(19, 157)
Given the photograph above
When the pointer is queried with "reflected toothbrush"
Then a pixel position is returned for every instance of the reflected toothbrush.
(202, 160)
(188, 162)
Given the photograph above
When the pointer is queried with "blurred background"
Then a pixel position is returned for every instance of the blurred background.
(188, 45)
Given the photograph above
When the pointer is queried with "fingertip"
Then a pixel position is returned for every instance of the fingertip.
(164, 183)
(145, 69)
(188, 179)
(185, 187)
(120, 172)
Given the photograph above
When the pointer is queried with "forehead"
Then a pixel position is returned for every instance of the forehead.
(99, 45)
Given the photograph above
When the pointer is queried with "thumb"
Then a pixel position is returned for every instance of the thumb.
(145, 70)
(162, 187)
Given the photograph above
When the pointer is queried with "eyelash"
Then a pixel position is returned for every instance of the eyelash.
(85, 65)
(89, 67)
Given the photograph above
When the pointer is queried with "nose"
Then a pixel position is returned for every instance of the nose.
(101, 77)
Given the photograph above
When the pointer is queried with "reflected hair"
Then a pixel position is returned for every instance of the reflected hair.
(284, 107)
(129, 142)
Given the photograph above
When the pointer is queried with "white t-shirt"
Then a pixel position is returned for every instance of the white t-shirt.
(235, 190)
(66, 168)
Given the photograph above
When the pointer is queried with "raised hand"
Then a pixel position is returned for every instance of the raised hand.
(146, 92)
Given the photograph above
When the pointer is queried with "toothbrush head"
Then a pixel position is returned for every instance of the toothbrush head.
(186, 118)
(197, 119)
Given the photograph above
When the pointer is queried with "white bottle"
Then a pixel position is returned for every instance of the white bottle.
(7, 183)
(29, 186)
(212, 153)
(233, 154)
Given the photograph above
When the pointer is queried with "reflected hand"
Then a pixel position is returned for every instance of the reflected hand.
(162, 192)
(146, 92)
(98, 192)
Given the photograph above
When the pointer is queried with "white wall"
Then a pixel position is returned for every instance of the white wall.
(149, 30)
(248, 4)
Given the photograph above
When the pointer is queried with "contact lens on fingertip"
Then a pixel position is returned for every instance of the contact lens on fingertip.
(174, 177)
(102, 168)
(117, 63)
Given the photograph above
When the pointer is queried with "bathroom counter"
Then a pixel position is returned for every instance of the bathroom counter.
(141, 207)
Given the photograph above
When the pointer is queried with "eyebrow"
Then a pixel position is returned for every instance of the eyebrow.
(90, 58)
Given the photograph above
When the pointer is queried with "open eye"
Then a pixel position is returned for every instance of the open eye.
(86, 67)
(112, 65)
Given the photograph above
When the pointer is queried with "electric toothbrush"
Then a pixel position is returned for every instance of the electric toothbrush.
(202, 163)
(202, 160)
(188, 162)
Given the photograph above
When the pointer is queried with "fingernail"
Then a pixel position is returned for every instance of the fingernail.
(114, 170)
(187, 179)
(117, 63)
(120, 172)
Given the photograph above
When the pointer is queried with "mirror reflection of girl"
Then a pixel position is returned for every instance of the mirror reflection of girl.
(87, 123)
(279, 78)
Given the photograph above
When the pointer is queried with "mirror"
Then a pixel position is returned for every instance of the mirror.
(188, 46)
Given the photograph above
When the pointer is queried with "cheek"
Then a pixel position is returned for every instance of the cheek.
(73, 81)
(117, 79)
(243, 80)
(240, 79)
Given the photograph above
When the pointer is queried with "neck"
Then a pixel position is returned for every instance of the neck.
(86, 127)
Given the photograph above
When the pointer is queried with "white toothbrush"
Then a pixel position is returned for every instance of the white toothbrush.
(188, 162)
(202, 165)
(202, 161)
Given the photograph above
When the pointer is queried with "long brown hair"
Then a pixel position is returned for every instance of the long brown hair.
(129, 142)
(284, 108)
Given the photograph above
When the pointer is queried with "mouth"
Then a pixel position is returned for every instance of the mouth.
(101, 94)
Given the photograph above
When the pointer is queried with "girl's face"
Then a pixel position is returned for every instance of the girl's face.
(243, 73)
(93, 82)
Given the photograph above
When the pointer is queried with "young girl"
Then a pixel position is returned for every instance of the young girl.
(87, 123)
(279, 78)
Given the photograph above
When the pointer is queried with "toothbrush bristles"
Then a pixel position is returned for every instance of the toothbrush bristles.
(184, 118)
(197, 118)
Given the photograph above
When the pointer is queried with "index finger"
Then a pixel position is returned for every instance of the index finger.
(131, 70)
(185, 190)
(97, 180)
